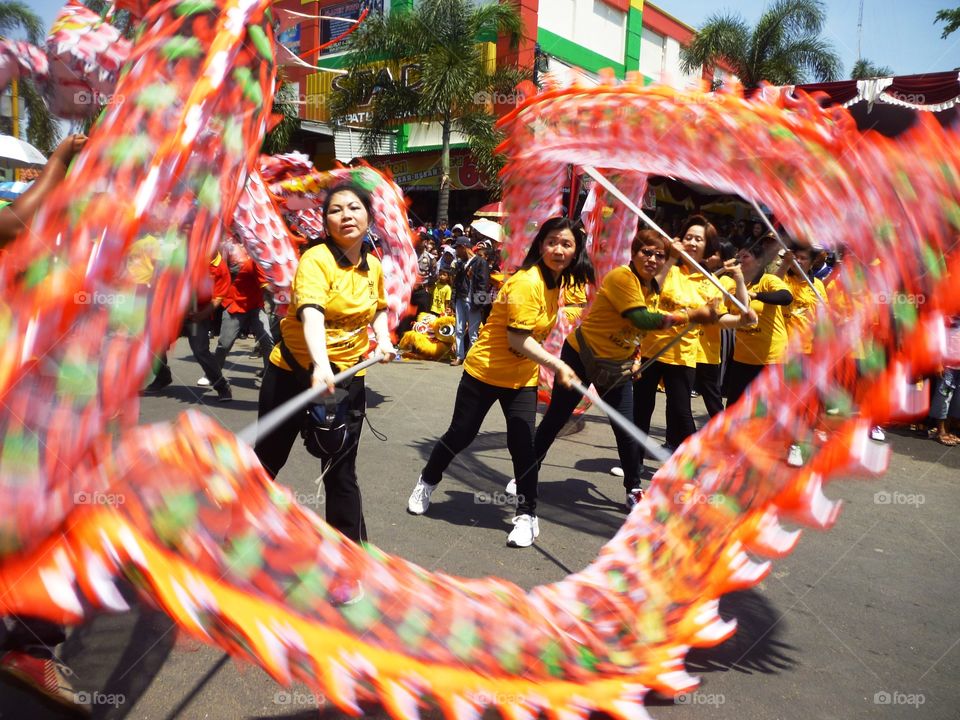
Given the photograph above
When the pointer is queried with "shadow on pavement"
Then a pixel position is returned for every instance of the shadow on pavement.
(758, 644)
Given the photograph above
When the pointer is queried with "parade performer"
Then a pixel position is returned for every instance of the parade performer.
(764, 344)
(503, 367)
(337, 293)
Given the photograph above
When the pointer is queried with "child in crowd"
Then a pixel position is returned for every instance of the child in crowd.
(442, 291)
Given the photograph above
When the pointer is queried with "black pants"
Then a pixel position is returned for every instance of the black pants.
(474, 400)
(32, 636)
(707, 383)
(739, 376)
(343, 501)
(198, 335)
(564, 400)
(678, 382)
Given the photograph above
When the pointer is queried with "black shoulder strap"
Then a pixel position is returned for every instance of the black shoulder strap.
(301, 373)
(585, 350)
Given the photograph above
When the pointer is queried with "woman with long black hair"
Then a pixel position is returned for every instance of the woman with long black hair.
(503, 366)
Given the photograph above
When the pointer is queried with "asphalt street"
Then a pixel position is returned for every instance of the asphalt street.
(859, 622)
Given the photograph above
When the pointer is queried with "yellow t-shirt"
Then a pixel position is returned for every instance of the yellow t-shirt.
(606, 331)
(142, 259)
(803, 309)
(677, 294)
(574, 300)
(765, 342)
(708, 351)
(525, 302)
(440, 300)
(349, 296)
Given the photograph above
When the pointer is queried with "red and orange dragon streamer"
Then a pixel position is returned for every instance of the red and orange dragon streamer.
(205, 534)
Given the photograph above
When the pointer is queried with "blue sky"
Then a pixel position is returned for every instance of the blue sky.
(896, 33)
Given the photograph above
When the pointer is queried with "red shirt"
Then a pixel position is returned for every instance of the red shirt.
(220, 277)
(246, 292)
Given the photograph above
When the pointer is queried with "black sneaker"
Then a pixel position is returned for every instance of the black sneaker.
(224, 393)
(159, 383)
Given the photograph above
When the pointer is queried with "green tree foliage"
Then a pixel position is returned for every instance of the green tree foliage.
(451, 84)
(783, 48)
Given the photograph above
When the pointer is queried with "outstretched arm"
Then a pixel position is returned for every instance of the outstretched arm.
(17, 216)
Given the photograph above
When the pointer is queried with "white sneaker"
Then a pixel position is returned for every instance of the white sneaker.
(876, 433)
(795, 457)
(420, 497)
(203, 382)
(634, 497)
(525, 529)
(616, 471)
(512, 487)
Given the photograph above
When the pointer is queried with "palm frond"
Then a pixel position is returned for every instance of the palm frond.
(15, 15)
(723, 37)
(952, 20)
(42, 130)
(810, 55)
(863, 69)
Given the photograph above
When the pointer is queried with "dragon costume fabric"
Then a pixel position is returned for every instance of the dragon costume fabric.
(204, 533)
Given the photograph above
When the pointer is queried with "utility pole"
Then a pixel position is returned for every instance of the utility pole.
(860, 32)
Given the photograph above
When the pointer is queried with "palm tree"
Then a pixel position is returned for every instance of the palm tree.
(952, 20)
(452, 85)
(783, 48)
(41, 127)
(864, 70)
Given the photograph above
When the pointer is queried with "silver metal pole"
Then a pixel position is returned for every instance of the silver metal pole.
(273, 419)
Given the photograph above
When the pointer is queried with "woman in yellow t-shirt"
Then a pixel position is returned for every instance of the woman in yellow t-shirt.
(701, 240)
(503, 366)
(684, 290)
(766, 342)
(805, 307)
(337, 293)
(625, 307)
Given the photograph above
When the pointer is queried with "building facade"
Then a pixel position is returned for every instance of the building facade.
(565, 38)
